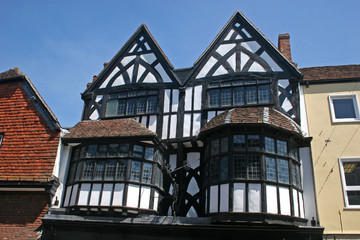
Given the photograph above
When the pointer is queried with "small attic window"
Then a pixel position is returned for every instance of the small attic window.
(1, 138)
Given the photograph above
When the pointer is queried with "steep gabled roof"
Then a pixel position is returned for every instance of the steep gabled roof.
(341, 72)
(16, 74)
(141, 47)
(118, 128)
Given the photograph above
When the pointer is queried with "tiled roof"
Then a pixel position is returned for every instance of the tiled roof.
(253, 115)
(15, 72)
(331, 72)
(108, 129)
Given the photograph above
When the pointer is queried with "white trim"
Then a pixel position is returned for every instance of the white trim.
(345, 187)
(345, 96)
(5, 189)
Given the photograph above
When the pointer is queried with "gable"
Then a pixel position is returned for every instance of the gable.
(139, 61)
(240, 48)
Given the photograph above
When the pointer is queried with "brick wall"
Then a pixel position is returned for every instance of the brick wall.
(21, 213)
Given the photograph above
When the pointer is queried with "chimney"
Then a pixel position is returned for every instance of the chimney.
(106, 64)
(94, 78)
(284, 45)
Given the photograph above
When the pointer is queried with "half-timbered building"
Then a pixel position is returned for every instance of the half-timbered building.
(216, 149)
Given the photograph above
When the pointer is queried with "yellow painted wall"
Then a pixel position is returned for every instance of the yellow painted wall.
(344, 142)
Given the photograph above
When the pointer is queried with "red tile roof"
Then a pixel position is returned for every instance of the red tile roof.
(331, 72)
(253, 115)
(108, 129)
(29, 146)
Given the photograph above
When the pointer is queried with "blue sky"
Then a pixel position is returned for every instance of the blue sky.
(60, 45)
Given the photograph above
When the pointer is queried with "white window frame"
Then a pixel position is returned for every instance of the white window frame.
(345, 96)
(345, 187)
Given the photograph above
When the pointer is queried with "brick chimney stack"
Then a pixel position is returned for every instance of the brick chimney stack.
(284, 45)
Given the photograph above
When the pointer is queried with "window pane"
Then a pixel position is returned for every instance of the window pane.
(239, 96)
(283, 171)
(138, 151)
(158, 157)
(99, 170)
(269, 145)
(131, 107)
(72, 172)
(344, 108)
(264, 94)
(78, 171)
(214, 147)
(152, 104)
(239, 162)
(121, 170)
(214, 98)
(352, 173)
(253, 167)
(353, 197)
(135, 171)
(88, 170)
(113, 150)
(224, 145)
(124, 150)
(251, 95)
(214, 170)
(91, 152)
(110, 170)
(111, 108)
(147, 173)
(102, 149)
(224, 168)
(281, 147)
(141, 105)
(239, 143)
(149, 153)
(226, 97)
(270, 169)
(295, 175)
(253, 142)
(122, 107)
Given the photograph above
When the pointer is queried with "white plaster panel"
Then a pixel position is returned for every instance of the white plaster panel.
(228, 36)
(106, 195)
(219, 112)
(175, 100)
(244, 58)
(98, 98)
(193, 187)
(224, 198)
(286, 105)
(211, 115)
(118, 194)
(147, 46)
(130, 72)
(187, 123)
(149, 57)
(295, 202)
(246, 33)
(152, 123)
(133, 48)
(84, 194)
(156, 200)
(173, 161)
(220, 71)
(141, 70)
(284, 195)
(132, 196)
(165, 127)
(94, 115)
(209, 64)
(254, 193)
(239, 197)
(191, 212)
(232, 61)
(197, 97)
(150, 78)
(283, 83)
(67, 196)
(137, 119)
(145, 197)
(274, 66)
(118, 81)
(167, 100)
(173, 126)
(225, 48)
(165, 77)
(256, 67)
(193, 159)
(116, 69)
(301, 203)
(188, 98)
(142, 38)
(214, 199)
(196, 123)
(252, 46)
(238, 37)
(126, 60)
(74, 194)
(271, 199)
(143, 120)
(95, 195)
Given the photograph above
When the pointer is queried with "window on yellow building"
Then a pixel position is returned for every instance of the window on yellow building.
(344, 108)
(350, 174)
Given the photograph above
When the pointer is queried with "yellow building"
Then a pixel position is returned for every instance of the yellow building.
(332, 107)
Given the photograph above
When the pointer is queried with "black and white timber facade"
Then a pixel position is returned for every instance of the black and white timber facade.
(227, 146)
